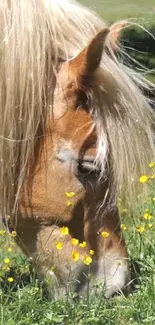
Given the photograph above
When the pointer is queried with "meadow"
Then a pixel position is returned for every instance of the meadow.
(22, 298)
(112, 10)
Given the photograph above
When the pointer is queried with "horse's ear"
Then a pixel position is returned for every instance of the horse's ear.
(115, 33)
(89, 59)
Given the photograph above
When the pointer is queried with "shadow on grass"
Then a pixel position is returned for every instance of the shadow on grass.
(21, 280)
(135, 269)
(14, 279)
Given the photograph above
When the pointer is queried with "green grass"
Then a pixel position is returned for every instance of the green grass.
(112, 10)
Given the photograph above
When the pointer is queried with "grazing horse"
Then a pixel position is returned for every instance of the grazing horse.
(76, 132)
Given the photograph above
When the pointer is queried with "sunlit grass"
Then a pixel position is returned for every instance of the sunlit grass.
(112, 10)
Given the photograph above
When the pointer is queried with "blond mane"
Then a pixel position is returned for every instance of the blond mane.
(34, 35)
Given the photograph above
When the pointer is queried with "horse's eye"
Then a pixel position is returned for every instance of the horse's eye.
(83, 170)
(87, 169)
(80, 104)
(83, 100)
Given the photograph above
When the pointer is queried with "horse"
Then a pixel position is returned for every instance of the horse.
(76, 133)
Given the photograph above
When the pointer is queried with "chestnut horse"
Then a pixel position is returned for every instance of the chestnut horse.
(76, 131)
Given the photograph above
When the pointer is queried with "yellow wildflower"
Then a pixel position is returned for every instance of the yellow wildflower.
(13, 233)
(91, 252)
(10, 249)
(75, 256)
(70, 194)
(140, 229)
(147, 216)
(59, 245)
(150, 225)
(10, 279)
(6, 268)
(70, 204)
(74, 241)
(123, 227)
(152, 164)
(87, 259)
(64, 230)
(143, 179)
(2, 232)
(83, 244)
(153, 199)
(6, 260)
(105, 234)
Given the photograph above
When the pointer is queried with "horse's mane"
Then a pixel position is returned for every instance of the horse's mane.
(34, 35)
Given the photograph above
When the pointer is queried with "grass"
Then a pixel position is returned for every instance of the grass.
(22, 301)
(113, 10)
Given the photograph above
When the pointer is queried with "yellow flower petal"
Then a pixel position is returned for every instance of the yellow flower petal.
(6, 268)
(10, 279)
(6, 260)
(70, 204)
(147, 216)
(92, 252)
(152, 164)
(140, 229)
(143, 179)
(105, 234)
(87, 259)
(10, 249)
(70, 194)
(59, 245)
(13, 233)
(75, 256)
(74, 241)
(83, 244)
(123, 227)
(150, 225)
(2, 232)
(64, 230)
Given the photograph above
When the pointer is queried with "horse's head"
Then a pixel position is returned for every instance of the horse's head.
(73, 135)
(69, 186)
